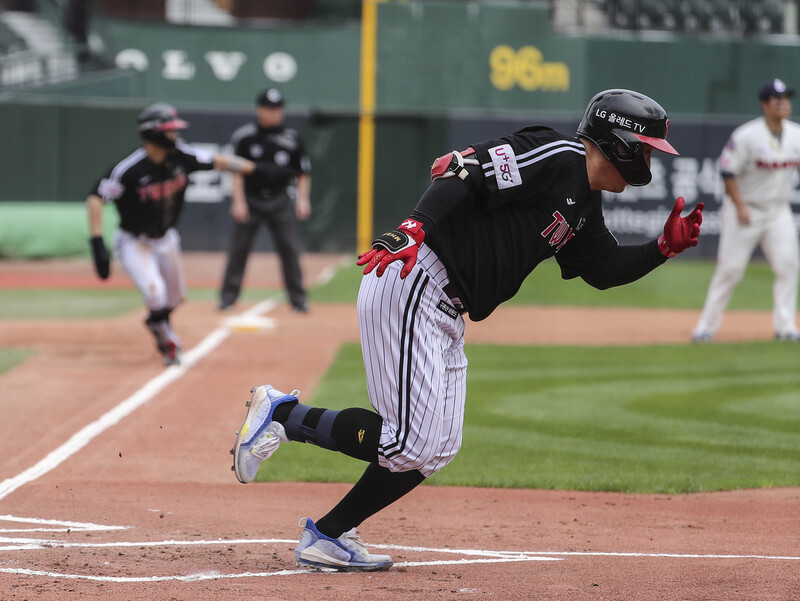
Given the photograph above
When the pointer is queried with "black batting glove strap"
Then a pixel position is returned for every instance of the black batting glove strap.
(393, 241)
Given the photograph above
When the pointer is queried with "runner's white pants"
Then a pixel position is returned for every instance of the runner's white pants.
(412, 340)
(154, 266)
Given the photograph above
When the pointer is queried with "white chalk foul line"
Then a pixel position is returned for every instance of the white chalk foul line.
(84, 436)
(62, 525)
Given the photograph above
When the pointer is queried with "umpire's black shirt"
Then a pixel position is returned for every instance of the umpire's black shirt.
(280, 156)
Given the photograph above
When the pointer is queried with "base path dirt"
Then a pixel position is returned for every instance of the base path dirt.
(115, 478)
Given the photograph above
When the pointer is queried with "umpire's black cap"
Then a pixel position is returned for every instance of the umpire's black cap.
(269, 97)
(774, 88)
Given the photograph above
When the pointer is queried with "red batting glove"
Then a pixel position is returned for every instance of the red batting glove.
(401, 244)
(680, 232)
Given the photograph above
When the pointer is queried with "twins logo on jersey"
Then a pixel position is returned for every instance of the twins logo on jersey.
(559, 231)
(506, 171)
(158, 191)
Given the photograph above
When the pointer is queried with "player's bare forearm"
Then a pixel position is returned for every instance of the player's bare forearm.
(303, 204)
(94, 206)
(233, 163)
(239, 210)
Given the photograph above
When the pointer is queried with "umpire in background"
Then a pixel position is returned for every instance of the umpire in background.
(276, 197)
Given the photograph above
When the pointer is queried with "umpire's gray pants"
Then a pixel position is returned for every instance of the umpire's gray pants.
(281, 222)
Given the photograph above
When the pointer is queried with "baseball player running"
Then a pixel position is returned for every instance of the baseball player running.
(759, 165)
(148, 187)
(491, 214)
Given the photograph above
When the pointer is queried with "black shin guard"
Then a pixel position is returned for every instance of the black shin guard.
(355, 432)
(309, 424)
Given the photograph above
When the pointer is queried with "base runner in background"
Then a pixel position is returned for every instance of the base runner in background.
(148, 188)
(759, 165)
(491, 214)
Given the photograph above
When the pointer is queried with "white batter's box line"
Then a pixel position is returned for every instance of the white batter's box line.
(487, 554)
(474, 556)
(61, 525)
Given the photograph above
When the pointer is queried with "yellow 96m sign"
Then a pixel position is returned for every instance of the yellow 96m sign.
(527, 69)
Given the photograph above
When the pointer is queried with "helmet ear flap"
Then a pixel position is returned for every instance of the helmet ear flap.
(631, 162)
(625, 151)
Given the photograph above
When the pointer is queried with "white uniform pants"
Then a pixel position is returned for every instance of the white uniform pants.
(413, 348)
(776, 231)
(154, 265)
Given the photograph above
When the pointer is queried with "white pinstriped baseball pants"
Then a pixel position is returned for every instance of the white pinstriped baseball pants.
(416, 368)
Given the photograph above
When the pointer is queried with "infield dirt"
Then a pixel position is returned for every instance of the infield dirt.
(192, 532)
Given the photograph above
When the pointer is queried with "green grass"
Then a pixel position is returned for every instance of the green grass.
(83, 303)
(679, 284)
(683, 418)
(67, 303)
(11, 357)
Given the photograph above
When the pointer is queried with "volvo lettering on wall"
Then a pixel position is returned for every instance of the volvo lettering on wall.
(176, 64)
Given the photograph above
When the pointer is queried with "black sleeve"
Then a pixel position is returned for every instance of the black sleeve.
(622, 265)
(444, 195)
(270, 175)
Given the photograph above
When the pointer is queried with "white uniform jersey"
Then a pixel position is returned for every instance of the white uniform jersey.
(765, 166)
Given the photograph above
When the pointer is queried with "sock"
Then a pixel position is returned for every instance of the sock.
(377, 488)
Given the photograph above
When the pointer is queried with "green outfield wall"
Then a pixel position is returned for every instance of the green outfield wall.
(440, 56)
(448, 73)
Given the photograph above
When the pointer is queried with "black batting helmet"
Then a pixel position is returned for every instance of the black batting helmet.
(620, 122)
(156, 120)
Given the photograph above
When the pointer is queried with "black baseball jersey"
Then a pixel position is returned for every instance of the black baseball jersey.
(534, 203)
(149, 196)
(279, 154)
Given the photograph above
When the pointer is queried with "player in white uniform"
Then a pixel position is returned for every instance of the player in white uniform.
(148, 188)
(759, 165)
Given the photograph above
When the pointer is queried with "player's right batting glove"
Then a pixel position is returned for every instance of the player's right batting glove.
(102, 260)
(401, 244)
(680, 232)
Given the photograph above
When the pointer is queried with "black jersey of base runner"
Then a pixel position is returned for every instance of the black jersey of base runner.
(149, 196)
(534, 203)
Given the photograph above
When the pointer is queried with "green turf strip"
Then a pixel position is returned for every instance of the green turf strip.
(679, 284)
(11, 357)
(636, 419)
(83, 303)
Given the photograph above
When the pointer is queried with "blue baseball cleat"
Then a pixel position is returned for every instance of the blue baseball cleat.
(345, 554)
(259, 436)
